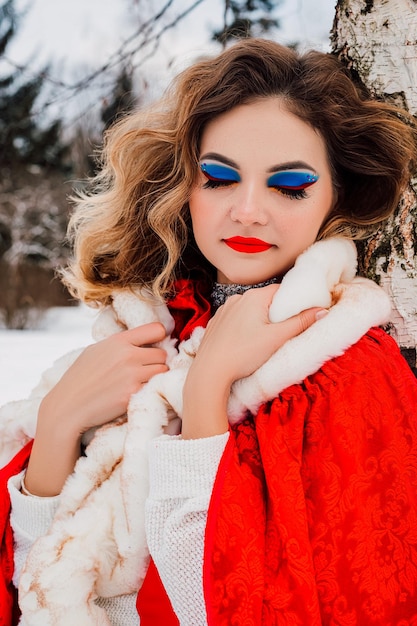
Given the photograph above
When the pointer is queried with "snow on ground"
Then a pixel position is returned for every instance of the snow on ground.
(25, 354)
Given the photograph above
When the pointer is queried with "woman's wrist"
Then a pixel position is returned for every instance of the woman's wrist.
(49, 466)
(25, 491)
(55, 451)
(204, 406)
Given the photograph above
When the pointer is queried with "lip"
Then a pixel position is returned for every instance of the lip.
(248, 245)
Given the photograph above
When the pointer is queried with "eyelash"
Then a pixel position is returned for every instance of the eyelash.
(292, 194)
(213, 183)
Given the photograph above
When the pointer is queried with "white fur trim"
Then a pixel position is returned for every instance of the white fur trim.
(362, 304)
(312, 279)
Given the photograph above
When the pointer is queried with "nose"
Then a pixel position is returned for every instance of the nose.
(248, 206)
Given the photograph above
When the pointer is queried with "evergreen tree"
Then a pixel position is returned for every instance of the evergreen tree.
(246, 18)
(22, 139)
(33, 206)
(122, 99)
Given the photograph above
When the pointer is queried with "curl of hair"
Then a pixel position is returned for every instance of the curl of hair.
(133, 227)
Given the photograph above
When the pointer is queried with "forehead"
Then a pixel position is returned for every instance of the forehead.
(263, 132)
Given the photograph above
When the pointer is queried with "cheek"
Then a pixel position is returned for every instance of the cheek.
(319, 210)
(327, 198)
(205, 209)
(300, 228)
(194, 205)
(197, 202)
(198, 214)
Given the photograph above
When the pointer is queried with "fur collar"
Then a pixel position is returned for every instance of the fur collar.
(96, 544)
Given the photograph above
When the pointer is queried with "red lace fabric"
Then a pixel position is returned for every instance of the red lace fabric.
(9, 612)
(189, 307)
(313, 519)
(152, 602)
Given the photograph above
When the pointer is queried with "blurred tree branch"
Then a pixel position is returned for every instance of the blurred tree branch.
(246, 18)
(145, 38)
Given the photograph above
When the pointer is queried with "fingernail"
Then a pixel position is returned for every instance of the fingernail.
(321, 314)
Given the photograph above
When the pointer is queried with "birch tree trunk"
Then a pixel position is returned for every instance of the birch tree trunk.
(378, 39)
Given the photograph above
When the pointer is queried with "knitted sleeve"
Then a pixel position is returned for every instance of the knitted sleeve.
(182, 473)
(30, 518)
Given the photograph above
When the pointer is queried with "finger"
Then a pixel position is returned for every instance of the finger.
(146, 334)
(148, 372)
(299, 323)
(262, 296)
(150, 356)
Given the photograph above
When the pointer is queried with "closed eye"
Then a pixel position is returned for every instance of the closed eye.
(293, 194)
(219, 175)
(292, 183)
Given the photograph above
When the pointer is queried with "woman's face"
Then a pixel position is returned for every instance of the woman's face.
(263, 190)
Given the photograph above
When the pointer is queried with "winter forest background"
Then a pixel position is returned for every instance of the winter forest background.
(58, 97)
(54, 109)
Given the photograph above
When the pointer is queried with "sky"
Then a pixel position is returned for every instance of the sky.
(74, 37)
(80, 28)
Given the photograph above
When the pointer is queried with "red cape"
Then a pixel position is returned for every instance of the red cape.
(313, 518)
(313, 515)
(9, 614)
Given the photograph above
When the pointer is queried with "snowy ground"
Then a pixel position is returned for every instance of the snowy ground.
(24, 354)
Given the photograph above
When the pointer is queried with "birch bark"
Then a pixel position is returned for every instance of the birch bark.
(378, 39)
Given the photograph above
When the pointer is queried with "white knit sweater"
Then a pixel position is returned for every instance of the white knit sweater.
(182, 475)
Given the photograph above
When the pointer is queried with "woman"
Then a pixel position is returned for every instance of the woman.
(302, 511)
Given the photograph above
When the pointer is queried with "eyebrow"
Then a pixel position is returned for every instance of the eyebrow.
(288, 165)
(291, 165)
(219, 157)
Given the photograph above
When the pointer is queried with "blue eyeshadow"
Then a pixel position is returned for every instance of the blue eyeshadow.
(292, 180)
(215, 171)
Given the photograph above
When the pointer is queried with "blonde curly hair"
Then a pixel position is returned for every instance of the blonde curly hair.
(133, 226)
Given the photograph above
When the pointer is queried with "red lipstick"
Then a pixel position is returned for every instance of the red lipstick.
(247, 244)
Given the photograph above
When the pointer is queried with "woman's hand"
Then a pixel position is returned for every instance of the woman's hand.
(238, 340)
(93, 391)
(97, 387)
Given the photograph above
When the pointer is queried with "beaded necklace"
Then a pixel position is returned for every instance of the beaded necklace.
(221, 291)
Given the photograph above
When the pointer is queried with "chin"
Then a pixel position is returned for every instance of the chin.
(239, 279)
